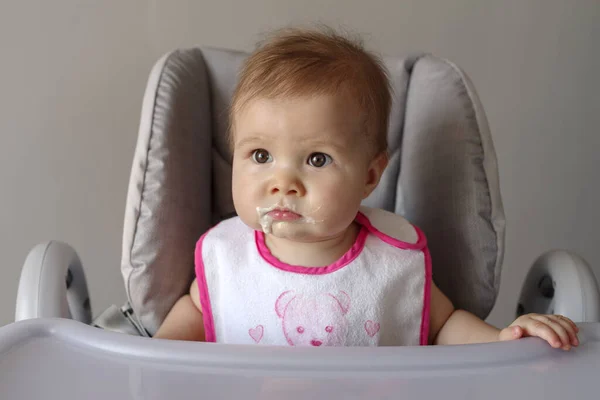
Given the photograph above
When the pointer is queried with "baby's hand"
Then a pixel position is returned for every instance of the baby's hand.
(557, 330)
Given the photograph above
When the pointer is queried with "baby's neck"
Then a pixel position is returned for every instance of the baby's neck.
(313, 254)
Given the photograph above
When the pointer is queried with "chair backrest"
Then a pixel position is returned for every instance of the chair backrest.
(442, 176)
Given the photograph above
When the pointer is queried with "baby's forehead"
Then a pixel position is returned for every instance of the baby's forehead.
(326, 119)
(326, 100)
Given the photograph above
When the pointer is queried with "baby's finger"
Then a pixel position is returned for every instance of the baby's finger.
(565, 323)
(573, 324)
(557, 329)
(510, 333)
(534, 327)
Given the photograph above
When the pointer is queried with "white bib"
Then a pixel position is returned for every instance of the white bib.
(377, 294)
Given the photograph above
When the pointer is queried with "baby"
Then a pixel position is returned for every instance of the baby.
(304, 263)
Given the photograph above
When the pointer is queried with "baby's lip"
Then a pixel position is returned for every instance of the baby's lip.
(284, 214)
(282, 208)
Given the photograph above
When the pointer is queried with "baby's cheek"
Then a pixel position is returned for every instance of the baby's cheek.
(338, 207)
(247, 193)
(249, 218)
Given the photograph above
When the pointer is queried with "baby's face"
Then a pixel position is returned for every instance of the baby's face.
(301, 166)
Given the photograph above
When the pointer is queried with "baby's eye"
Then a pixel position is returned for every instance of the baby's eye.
(261, 156)
(319, 160)
(329, 329)
(300, 329)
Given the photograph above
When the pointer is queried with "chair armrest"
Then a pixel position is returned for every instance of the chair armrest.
(561, 282)
(53, 285)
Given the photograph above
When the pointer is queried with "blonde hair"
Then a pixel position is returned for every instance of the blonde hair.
(300, 62)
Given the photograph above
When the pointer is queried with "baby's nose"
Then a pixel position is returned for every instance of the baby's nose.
(316, 342)
(286, 184)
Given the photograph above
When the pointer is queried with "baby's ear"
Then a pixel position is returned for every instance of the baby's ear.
(376, 168)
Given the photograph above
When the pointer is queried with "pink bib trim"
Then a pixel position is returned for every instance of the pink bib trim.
(346, 259)
(421, 240)
(426, 298)
(207, 315)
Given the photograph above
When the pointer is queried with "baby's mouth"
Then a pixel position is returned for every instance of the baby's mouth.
(276, 213)
(283, 214)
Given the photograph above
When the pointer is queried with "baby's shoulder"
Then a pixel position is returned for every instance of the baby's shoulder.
(390, 227)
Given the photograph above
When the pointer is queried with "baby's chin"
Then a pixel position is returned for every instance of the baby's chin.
(298, 231)
(294, 231)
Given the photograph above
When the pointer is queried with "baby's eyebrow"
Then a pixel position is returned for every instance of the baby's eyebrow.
(328, 143)
(250, 140)
(259, 139)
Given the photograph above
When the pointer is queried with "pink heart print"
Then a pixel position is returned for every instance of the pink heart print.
(372, 328)
(256, 333)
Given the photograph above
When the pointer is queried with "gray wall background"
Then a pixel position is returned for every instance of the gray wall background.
(73, 74)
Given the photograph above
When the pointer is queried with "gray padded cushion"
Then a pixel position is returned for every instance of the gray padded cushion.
(449, 184)
(168, 201)
(442, 176)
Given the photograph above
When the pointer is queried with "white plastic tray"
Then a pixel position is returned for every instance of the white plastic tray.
(64, 359)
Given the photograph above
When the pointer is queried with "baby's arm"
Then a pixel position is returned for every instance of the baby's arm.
(451, 326)
(184, 321)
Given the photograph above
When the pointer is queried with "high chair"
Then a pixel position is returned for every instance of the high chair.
(442, 176)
